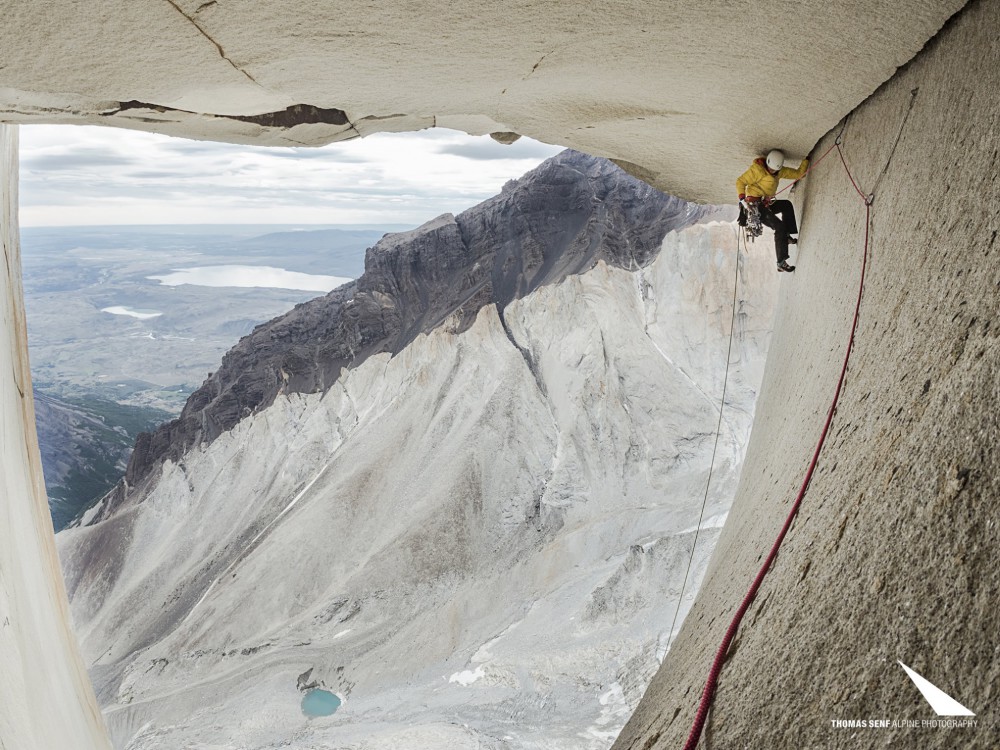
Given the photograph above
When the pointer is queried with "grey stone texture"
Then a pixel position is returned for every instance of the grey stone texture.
(893, 555)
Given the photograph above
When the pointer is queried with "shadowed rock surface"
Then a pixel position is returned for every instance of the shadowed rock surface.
(558, 220)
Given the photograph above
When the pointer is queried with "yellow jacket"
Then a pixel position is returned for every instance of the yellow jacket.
(760, 183)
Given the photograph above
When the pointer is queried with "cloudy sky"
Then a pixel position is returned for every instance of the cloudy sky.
(75, 175)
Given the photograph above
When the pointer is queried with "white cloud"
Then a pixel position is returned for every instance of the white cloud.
(75, 175)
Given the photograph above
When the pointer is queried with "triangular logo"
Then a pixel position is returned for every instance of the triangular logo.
(942, 703)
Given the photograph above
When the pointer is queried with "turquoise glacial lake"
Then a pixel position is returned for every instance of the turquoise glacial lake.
(320, 703)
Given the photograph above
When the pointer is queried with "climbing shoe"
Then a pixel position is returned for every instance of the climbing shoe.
(783, 266)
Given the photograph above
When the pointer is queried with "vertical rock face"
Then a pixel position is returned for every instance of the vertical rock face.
(41, 666)
(892, 557)
(477, 533)
(560, 219)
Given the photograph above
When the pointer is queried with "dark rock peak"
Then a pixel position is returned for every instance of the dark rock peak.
(395, 239)
(557, 220)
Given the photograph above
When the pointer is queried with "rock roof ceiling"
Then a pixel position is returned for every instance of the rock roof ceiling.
(682, 94)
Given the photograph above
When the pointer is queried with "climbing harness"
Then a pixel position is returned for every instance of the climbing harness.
(708, 693)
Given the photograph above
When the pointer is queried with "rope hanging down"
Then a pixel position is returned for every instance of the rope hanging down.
(715, 447)
(708, 693)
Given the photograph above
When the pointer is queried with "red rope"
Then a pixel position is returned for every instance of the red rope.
(709, 692)
(811, 167)
(844, 161)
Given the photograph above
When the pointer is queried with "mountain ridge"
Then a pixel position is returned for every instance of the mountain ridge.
(401, 294)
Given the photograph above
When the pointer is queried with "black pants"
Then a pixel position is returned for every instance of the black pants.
(780, 216)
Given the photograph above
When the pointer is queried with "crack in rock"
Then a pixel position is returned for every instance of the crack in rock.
(297, 114)
(535, 66)
(222, 52)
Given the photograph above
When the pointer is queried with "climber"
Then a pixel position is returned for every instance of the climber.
(757, 186)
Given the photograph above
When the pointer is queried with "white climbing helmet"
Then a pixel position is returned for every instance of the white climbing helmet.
(775, 160)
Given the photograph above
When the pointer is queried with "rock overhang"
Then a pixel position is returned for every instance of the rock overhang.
(679, 94)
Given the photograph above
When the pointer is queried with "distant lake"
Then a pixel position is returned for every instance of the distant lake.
(250, 276)
(140, 314)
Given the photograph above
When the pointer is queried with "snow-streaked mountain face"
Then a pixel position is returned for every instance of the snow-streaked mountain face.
(478, 542)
